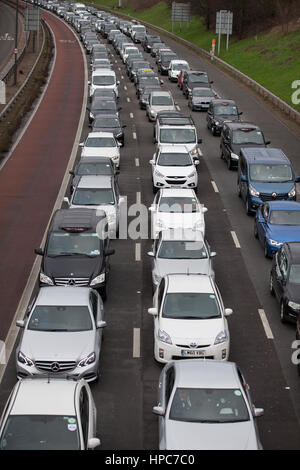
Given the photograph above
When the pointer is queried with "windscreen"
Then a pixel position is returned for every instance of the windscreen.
(178, 136)
(60, 318)
(191, 306)
(71, 243)
(271, 173)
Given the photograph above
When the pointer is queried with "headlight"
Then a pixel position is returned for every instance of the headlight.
(153, 113)
(164, 337)
(119, 135)
(98, 279)
(156, 279)
(45, 279)
(92, 116)
(221, 337)
(192, 175)
(294, 305)
(234, 156)
(115, 157)
(189, 90)
(157, 173)
(24, 359)
(253, 191)
(274, 242)
(194, 151)
(87, 360)
(217, 123)
(292, 193)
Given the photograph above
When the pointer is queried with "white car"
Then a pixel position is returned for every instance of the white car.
(159, 101)
(177, 209)
(173, 167)
(189, 319)
(49, 414)
(103, 78)
(99, 192)
(101, 144)
(126, 51)
(175, 68)
(186, 253)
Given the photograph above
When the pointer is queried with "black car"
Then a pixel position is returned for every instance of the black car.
(146, 80)
(192, 79)
(236, 135)
(164, 61)
(149, 40)
(76, 250)
(285, 280)
(220, 111)
(107, 94)
(110, 123)
(101, 106)
(144, 96)
(92, 166)
(135, 66)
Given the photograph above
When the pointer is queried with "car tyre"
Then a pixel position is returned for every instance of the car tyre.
(282, 314)
(271, 287)
(229, 164)
(266, 251)
(255, 232)
(248, 212)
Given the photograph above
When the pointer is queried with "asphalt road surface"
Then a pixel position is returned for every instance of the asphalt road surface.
(126, 391)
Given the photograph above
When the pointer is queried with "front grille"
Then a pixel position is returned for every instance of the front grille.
(55, 366)
(71, 281)
(269, 197)
(175, 181)
(187, 346)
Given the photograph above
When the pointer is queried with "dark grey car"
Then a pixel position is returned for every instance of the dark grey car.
(100, 106)
(110, 123)
(92, 166)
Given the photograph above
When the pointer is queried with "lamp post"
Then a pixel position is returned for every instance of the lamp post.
(16, 43)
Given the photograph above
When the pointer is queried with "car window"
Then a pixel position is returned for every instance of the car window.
(271, 173)
(94, 305)
(93, 197)
(170, 249)
(97, 168)
(100, 142)
(191, 306)
(285, 217)
(283, 264)
(170, 378)
(160, 295)
(178, 205)
(60, 318)
(72, 243)
(84, 413)
(174, 159)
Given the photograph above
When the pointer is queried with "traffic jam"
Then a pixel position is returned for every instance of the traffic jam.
(203, 399)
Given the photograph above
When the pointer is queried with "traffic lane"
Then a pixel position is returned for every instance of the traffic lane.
(265, 352)
(32, 176)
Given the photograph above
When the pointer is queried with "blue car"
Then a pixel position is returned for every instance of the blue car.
(275, 223)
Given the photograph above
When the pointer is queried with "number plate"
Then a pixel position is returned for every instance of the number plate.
(192, 352)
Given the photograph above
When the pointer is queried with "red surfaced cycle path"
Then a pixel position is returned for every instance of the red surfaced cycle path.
(31, 178)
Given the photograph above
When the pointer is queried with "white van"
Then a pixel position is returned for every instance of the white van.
(103, 78)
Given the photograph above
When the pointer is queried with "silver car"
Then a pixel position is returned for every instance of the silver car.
(205, 405)
(180, 252)
(62, 334)
(200, 98)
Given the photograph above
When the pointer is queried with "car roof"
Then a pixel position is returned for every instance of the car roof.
(284, 205)
(44, 396)
(63, 296)
(184, 283)
(177, 192)
(95, 160)
(294, 250)
(106, 116)
(95, 181)
(83, 218)
(207, 373)
(218, 101)
(182, 235)
(264, 155)
(161, 93)
(241, 125)
(100, 134)
(173, 149)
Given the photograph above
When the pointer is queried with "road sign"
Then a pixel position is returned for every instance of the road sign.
(224, 21)
(32, 19)
(181, 12)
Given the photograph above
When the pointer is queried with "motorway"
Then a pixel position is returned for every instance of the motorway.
(29, 184)
(7, 32)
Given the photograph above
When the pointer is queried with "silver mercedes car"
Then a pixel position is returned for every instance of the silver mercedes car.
(205, 405)
(62, 334)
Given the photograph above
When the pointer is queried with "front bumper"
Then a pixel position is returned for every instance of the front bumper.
(165, 352)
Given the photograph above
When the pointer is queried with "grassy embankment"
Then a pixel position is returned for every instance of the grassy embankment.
(272, 59)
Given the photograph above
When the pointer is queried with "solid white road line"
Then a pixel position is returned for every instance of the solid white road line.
(216, 190)
(136, 352)
(137, 252)
(235, 239)
(265, 323)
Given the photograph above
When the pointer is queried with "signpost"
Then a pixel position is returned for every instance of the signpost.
(32, 21)
(224, 26)
(181, 12)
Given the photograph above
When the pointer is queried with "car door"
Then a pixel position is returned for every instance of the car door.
(244, 184)
(281, 269)
(209, 115)
(226, 141)
(263, 216)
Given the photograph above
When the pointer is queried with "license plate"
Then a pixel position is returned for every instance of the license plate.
(194, 352)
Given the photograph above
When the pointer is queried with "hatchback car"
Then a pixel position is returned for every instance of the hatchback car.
(206, 405)
(73, 320)
(180, 253)
(173, 166)
(49, 414)
(238, 135)
(178, 209)
(159, 101)
(99, 144)
(200, 98)
(92, 166)
(110, 123)
(285, 280)
(275, 223)
(189, 319)
(99, 192)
